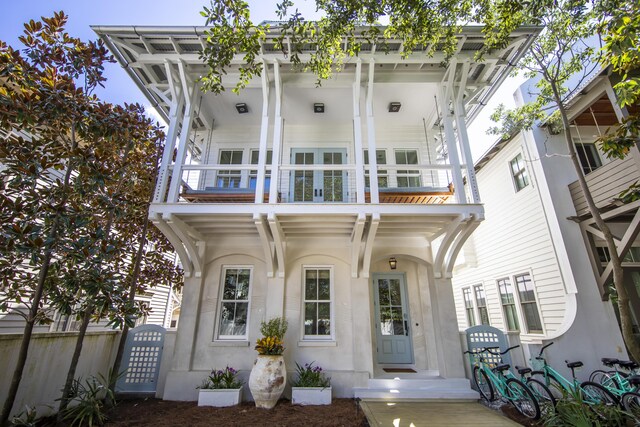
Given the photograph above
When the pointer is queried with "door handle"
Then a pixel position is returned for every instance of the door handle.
(406, 328)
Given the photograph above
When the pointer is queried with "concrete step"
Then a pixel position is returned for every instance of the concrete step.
(419, 388)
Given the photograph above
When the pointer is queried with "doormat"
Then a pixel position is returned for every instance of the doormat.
(399, 370)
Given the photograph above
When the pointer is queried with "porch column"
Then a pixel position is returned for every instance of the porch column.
(371, 137)
(275, 297)
(452, 149)
(445, 322)
(264, 134)
(361, 324)
(463, 137)
(188, 324)
(357, 136)
(277, 137)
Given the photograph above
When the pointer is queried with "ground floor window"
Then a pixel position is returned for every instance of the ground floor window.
(481, 304)
(318, 304)
(508, 302)
(234, 303)
(528, 304)
(468, 307)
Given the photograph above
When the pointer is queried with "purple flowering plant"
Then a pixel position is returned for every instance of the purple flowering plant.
(311, 376)
(222, 379)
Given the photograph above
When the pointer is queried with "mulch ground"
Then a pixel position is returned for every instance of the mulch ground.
(159, 413)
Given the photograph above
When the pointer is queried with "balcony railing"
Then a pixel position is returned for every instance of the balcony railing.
(215, 183)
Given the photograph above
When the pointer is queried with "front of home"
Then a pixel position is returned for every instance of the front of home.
(277, 206)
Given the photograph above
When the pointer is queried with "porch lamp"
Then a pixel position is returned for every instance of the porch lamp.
(393, 263)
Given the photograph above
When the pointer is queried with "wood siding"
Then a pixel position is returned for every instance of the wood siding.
(605, 183)
(514, 239)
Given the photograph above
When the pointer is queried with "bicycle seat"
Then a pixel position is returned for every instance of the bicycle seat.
(574, 364)
(627, 364)
(634, 380)
(607, 361)
(523, 371)
(501, 368)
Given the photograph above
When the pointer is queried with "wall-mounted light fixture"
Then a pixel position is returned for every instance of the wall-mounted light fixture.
(393, 263)
(318, 107)
(242, 108)
(394, 107)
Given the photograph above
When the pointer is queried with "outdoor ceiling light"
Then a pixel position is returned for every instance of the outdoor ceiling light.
(393, 263)
(394, 107)
(318, 107)
(242, 108)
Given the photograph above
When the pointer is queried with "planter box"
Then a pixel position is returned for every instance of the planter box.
(311, 395)
(219, 397)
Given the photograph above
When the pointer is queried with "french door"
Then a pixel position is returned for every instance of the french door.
(319, 186)
(393, 336)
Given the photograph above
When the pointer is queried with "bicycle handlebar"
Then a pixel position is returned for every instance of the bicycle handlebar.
(542, 349)
(488, 350)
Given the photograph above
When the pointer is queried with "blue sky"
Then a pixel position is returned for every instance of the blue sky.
(119, 88)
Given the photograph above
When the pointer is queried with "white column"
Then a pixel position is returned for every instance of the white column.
(277, 137)
(452, 149)
(449, 349)
(188, 324)
(361, 326)
(264, 134)
(463, 138)
(371, 137)
(176, 176)
(357, 137)
(275, 297)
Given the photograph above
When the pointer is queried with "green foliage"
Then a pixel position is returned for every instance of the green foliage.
(89, 401)
(275, 327)
(322, 46)
(26, 418)
(269, 345)
(572, 411)
(222, 379)
(310, 376)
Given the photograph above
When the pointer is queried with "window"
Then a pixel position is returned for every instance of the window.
(588, 156)
(468, 307)
(229, 178)
(519, 173)
(381, 159)
(528, 304)
(481, 304)
(407, 178)
(234, 303)
(508, 305)
(253, 175)
(317, 303)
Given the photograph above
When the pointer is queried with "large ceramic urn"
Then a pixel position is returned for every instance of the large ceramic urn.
(267, 380)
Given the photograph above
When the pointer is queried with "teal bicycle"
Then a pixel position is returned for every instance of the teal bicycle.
(591, 393)
(494, 379)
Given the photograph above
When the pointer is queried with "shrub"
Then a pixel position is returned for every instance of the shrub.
(222, 379)
(311, 376)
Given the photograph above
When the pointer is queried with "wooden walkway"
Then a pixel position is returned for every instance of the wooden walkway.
(432, 414)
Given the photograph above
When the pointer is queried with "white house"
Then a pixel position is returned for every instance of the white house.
(537, 265)
(276, 205)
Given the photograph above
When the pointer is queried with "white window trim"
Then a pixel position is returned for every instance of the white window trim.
(305, 339)
(476, 307)
(232, 338)
(513, 177)
(516, 299)
(244, 173)
(395, 171)
(473, 305)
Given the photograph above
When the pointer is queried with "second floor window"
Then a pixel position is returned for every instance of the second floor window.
(519, 173)
(229, 178)
(253, 176)
(381, 159)
(528, 304)
(407, 178)
(588, 156)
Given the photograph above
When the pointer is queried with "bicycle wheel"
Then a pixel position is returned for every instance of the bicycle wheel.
(631, 404)
(594, 393)
(604, 378)
(543, 395)
(553, 384)
(522, 398)
(483, 384)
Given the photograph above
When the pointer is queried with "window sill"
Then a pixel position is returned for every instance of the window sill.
(229, 343)
(317, 343)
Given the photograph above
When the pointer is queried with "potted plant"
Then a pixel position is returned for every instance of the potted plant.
(269, 375)
(220, 388)
(312, 386)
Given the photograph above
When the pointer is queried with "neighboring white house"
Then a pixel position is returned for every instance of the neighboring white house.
(537, 263)
(283, 209)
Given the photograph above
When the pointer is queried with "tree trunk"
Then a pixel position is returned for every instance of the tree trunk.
(37, 296)
(626, 323)
(64, 401)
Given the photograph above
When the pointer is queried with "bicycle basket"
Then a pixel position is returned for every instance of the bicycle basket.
(536, 364)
